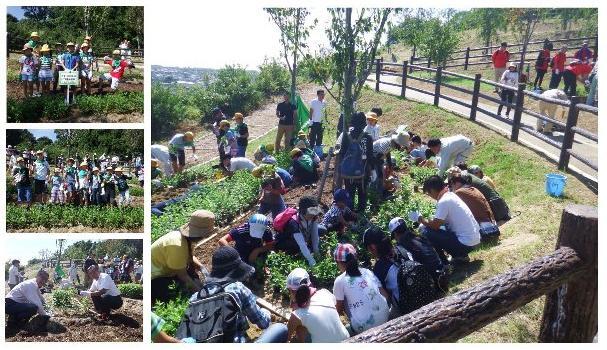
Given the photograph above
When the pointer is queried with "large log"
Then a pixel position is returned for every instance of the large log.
(571, 311)
(454, 317)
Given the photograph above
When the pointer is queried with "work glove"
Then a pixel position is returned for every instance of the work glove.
(414, 216)
(373, 176)
(195, 157)
(310, 122)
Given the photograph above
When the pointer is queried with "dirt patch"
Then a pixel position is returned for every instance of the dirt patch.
(124, 325)
(74, 229)
(516, 242)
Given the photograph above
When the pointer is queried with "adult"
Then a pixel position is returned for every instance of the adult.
(500, 58)
(25, 300)
(478, 172)
(233, 164)
(161, 153)
(584, 54)
(286, 113)
(317, 112)
(21, 177)
(356, 157)
(103, 292)
(252, 240)
(314, 315)
(358, 292)
(241, 129)
(461, 233)
(576, 70)
(417, 149)
(509, 78)
(549, 109)
(558, 67)
(173, 257)
(474, 199)
(541, 66)
(231, 272)
(41, 171)
(450, 150)
(177, 146)
(13, 274)
(304, 169)
(381, 153)
(593, 86)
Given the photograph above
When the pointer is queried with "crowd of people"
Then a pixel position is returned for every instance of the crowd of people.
(78, 180)
(25, 296)
(468, 209)
(41, 62)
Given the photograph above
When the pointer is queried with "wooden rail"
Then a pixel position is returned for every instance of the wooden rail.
(569, 276)
(520, 94)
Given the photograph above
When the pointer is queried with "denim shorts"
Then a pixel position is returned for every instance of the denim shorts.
(27, 77)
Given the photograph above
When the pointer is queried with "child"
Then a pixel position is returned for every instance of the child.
(21, 175)
(251, 239)
(57, 58)
(83, 182)
(242, 135)
(141, 176)
(86, 71)
(510, 78)
(372, 128)
(302, 136)
(340, 216)
(304, 169)
(118, 67)
(271, 200)
(123, 187)
(27, 64)
(227, 143)
(70, 60)
(95, 187)
(45, 75)
(264, 154)
(41, 174)
(57, 189)
(70, 180)
(156, 173)
(109, 186)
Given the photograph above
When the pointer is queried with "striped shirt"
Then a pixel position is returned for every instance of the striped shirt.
(382, 146)
(45, 63)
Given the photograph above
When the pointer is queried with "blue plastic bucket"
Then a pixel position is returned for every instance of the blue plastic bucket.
(555, 184)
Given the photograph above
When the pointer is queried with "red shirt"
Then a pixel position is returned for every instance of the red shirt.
(500, 58)
(559, 61)
(117, 71)
(580, 69)
(544, 60)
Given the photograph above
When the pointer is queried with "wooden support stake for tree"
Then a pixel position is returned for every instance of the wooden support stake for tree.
(467, 58)
(325, 173)
(437, 82)
(377, 74)
(572, 117)
(475, 92)
(518, 112)
(411, 63)
(571, 311)
(403, 83)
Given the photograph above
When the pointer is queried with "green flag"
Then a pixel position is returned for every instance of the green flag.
(59, 271)
(303, 115)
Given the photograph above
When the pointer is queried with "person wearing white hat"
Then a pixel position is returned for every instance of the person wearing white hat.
(450, 150)
(117, 68)
(96, 187)
(173, 258)
(251, 239)
(41, 175)
(314, 315)
(510, 77)
(381, 151)
(86, 73)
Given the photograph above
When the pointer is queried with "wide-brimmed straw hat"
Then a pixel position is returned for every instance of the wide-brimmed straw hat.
(201, 224)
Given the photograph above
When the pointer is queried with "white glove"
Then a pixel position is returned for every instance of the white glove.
(414, 216)
(84, 293)
(195, 157)
(310, 122)
(373, 176)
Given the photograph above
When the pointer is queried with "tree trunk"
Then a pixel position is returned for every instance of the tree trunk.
(347, 103)
(295, 48)
(526, 39)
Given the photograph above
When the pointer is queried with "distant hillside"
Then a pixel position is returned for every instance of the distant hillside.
(185, 75)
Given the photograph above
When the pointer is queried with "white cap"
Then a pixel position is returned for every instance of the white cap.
(394, 223)
(298, 277)
(258, 223)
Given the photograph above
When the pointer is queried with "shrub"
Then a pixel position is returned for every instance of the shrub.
(171, 312)
(168, 110)
(237, 85)
(273, 78)
(131, 290)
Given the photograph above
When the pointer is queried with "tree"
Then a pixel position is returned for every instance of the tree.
(523, 23)
(440, 39)
(36, 13)
(16, 137)
(293, 34)
(410, 31)
(488, 21)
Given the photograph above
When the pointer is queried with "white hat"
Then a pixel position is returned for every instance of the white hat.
(402, 139)
(298, 277)
(395, 223)
(258, 223)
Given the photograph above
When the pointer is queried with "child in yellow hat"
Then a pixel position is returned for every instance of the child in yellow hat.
(45, 75)
(86, 71)
(27, 65)
(242, 134)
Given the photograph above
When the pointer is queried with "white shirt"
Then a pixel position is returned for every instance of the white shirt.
(451, 147)
(41, 169)
(364, 304)
(509, 78)
(458, 219)
(373, 131)
(73, 273)
(13, 275)
(241, 163)
(161, 153)
(28, 292)
(105, 282)
(318, 110)
(321, 319)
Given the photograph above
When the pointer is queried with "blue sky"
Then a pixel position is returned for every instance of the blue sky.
(38, 133)
(15, 11)
(25, 249)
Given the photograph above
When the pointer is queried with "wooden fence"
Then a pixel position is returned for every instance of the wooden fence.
(570, 126)
(482, 55)
(568, 277)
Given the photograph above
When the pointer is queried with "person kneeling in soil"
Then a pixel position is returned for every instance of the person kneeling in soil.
(449, 151)
(173, 257)
(231, 164)
(358, 292)
(478, 172)
(314, 318)
(263, 154)
(25, 300)
(177, 146)
(252, 239)
(462, 233)
(103, 292)
(340, 215)
(271, 200)
(304, 169)
(297, 228)
(265, 169)
(118, 67)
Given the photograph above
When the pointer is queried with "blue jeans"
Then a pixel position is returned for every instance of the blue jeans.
(275, 209)
(276, 333)
(446, 241)
(21, 311)
(24, 193)
(242, 150)
(96, 195)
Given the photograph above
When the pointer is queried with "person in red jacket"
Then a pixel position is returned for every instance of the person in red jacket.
(500, 59)
(576, 70)
(118, 67)
(558, 66)
(541, 67)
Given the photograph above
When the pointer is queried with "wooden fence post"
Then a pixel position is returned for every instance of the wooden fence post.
(403, 83)
(411, 63)
(429, 62)
(571, 311)
(377, 73)
(467, 58)
(476, 90)
(438, 78)
(518, 112)
(572, 117)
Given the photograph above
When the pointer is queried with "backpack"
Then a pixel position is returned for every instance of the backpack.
(280, 221)
(353, 165)
(500, 209)
(416, 287)
(212, 318)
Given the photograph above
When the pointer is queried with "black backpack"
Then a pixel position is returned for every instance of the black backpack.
(353, 164)
(214, 317)
(416, 287)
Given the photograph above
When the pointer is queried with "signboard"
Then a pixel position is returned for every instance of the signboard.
(69, 78)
